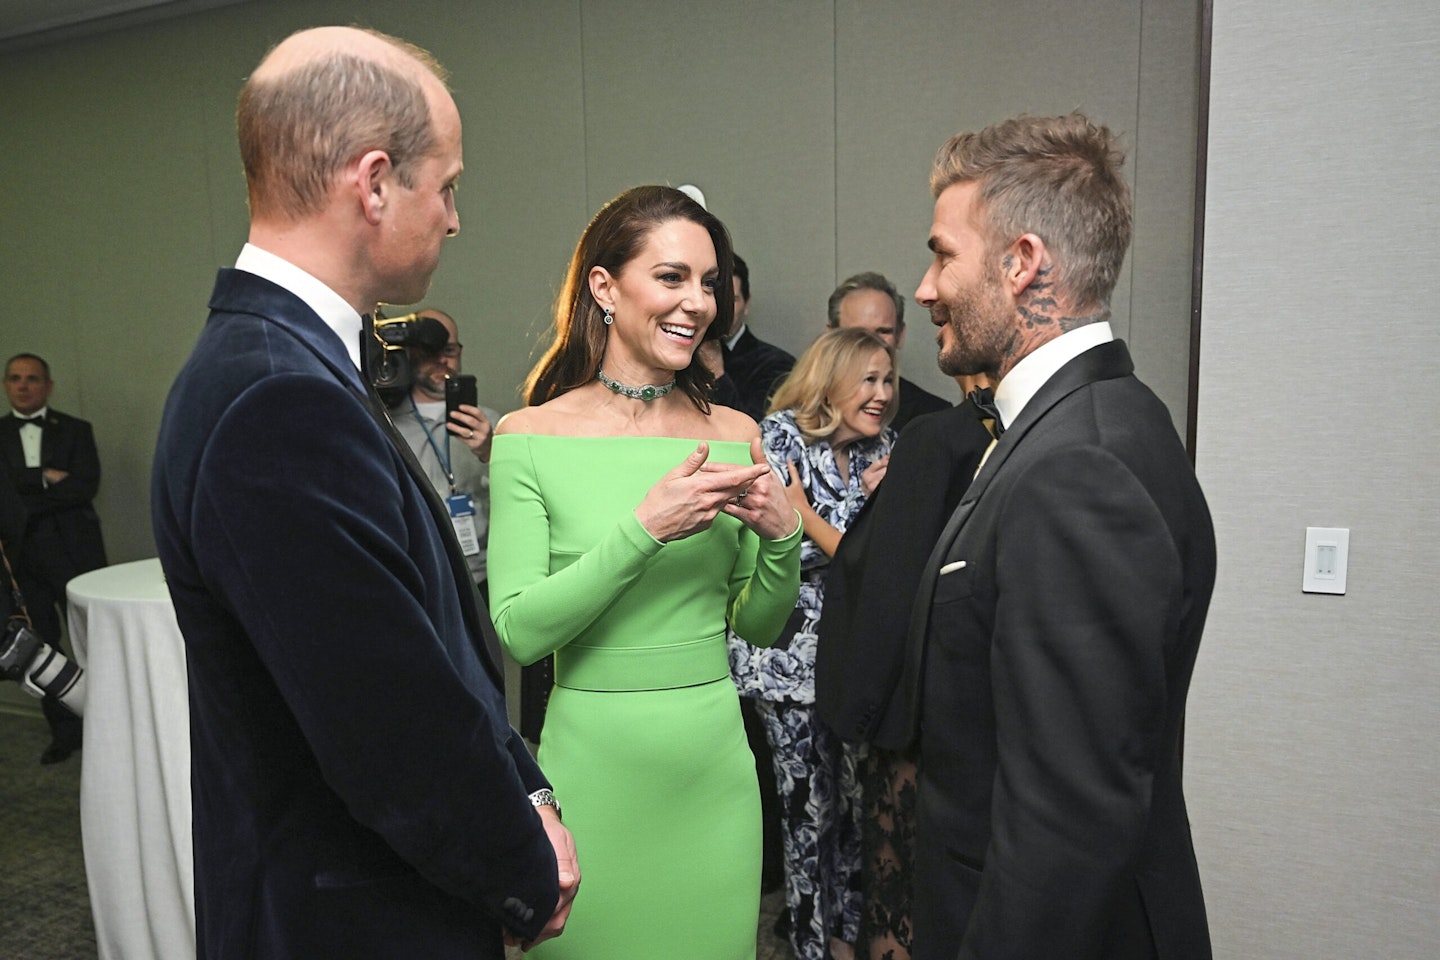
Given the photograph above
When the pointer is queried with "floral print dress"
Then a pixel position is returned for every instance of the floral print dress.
(815, 771)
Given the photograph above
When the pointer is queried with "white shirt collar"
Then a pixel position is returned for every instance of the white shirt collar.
(1037, 367)
(338, 315)
(735, 338)
(28, 416)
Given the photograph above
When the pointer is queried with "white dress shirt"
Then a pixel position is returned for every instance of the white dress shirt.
(30, 434)
(331, 307)
(1036, 368)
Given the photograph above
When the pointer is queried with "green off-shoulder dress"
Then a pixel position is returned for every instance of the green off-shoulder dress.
(642, 738)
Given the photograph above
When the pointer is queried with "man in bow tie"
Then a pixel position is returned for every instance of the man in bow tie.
(1060, 612)
(53, 465)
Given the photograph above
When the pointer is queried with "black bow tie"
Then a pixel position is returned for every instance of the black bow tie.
(35, 420)
(984, 400)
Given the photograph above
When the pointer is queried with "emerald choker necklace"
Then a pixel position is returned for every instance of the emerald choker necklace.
(647, 393)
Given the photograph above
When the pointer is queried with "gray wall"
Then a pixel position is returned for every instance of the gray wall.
(1312, 767)
(809, 123)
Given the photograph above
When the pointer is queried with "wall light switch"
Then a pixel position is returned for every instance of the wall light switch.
(1327, 551)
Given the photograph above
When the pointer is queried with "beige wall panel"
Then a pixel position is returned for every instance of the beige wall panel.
(736, 97)
(116, 244)
(1313, 769)
(907, 82)
(516, 71)
(1163, 173)
(132, 190)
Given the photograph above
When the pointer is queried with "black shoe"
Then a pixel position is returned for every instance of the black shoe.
(57, 753)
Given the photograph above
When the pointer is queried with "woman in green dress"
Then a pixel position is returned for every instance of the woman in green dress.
(631, 521)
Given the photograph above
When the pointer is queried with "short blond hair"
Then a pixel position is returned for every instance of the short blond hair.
(300, 128)
(832, 365)
(1058, 178)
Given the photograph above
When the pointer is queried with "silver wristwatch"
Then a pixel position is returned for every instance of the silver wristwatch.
(545, 798)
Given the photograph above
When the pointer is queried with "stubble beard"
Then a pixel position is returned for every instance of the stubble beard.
(431, 383)
(980, 333)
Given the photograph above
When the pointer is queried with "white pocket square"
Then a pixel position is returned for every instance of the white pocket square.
(952, 567)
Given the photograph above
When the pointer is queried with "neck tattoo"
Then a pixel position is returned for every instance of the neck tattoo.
(648, 392)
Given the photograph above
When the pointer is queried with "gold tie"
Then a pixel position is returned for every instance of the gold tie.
(986, 455)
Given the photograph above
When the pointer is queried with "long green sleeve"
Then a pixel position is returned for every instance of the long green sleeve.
(536, 611)
(764, 586)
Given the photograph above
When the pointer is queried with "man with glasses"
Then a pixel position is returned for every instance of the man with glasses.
(454, 452)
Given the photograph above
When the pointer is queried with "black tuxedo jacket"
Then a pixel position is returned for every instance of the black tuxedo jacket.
(357, 789)
(871, 584)
(62, 533)
(1052, 643)
(915, 401)
(756, 369)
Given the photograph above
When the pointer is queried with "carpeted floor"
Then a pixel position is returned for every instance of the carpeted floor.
(44, 906)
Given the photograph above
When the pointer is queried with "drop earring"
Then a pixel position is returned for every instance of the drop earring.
(609, 316)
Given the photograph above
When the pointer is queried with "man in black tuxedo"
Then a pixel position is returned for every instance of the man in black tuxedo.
(357, 789)
(52, 462)
(871, 302)
(1059, 614)
(752, 368)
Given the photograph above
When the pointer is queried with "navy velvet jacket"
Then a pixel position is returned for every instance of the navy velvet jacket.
(357, 789)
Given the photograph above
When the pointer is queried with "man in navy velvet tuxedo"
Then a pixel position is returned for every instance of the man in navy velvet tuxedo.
(1059, 615)
(357, 789)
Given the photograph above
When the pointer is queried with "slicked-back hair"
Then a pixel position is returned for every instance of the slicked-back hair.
(829, 370)
(868, 280)
(29, 356)
(742, 272)
(1058, 178)
(613, 239)
(299, 129)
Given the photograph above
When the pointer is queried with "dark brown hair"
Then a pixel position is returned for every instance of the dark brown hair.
(612, 240)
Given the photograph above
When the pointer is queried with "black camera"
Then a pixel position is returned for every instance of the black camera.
(388, 358)
(40, 669)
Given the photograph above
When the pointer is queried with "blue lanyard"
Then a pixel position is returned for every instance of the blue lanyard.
(442, 456)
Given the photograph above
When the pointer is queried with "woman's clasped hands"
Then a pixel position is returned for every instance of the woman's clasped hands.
(688, 499)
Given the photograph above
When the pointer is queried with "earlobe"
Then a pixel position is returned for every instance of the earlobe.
(600, 282)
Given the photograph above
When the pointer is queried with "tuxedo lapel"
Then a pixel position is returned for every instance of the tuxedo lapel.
(479, 623)
(10, 446)
(239, 292)
(50, 438)
(1106, 361)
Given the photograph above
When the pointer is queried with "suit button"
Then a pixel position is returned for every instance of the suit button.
(516, 910)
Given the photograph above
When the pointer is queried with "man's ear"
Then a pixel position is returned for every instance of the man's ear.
(372, 176)
(602, 286)
(1023, 262)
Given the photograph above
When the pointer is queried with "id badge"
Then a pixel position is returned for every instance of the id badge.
(462, 515)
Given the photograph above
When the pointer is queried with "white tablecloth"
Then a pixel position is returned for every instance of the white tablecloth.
(135, 768)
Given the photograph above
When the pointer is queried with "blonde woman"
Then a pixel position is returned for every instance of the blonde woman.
(828, 434)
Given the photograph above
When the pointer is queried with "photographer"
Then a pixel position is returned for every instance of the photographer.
(453, 451)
